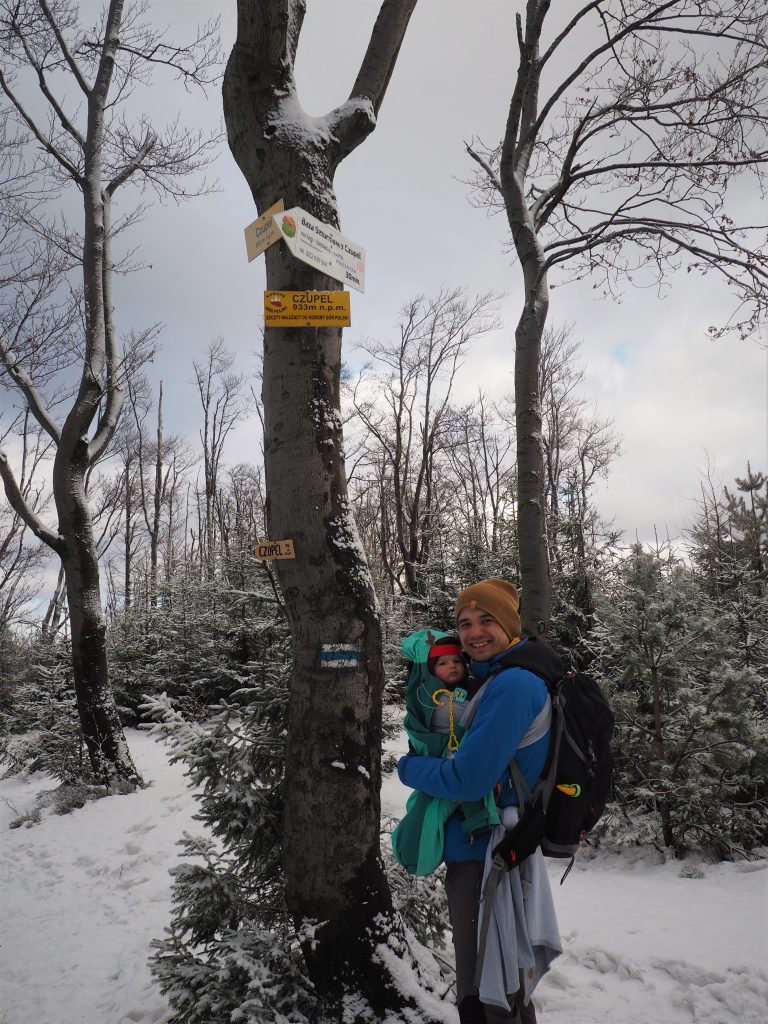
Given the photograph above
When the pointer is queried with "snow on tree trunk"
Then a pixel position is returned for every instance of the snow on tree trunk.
(335, 885)
(531, 520)
(103, 735)
(72, 133)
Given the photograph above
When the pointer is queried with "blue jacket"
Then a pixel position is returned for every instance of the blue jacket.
(506, 710)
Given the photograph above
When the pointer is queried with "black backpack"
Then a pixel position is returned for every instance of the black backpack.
(569, 796)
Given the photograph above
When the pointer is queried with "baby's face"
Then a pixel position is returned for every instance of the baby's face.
(450, 669)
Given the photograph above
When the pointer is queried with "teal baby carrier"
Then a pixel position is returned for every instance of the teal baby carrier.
(417, 842)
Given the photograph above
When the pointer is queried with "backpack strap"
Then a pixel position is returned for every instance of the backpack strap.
(498, 868)
(522, 789)
(538, 728)
(470, 716)
(547, 778)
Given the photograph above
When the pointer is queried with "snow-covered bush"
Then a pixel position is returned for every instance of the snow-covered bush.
(231, 952)
(421, 901)
(692, 739)
(39, 726)
(205, 640)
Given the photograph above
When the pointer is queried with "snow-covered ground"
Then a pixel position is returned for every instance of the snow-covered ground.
(83, 894)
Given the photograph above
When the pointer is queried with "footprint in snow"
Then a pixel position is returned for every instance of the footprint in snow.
(142, 827)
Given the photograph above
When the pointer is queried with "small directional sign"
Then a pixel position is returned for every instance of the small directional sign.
(270, 550)
(263, 232)
(322, 247)
(307, 309)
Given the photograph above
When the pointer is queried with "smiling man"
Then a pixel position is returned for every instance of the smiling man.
(510, 722)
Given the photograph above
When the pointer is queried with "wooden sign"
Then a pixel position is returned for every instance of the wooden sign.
(307, 309)
(322, 247)
(263, 232)
(269, 550)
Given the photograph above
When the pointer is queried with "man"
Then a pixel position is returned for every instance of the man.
(511, 720)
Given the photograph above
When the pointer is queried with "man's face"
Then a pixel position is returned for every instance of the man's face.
(480, 634)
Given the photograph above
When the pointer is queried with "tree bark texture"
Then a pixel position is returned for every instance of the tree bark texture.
(536, 600)
(99, 392)
(621, 164)
(665, 811)
(108, 753)
(536, 603)
(335, 884)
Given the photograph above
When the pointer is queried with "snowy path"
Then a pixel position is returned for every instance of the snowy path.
(643, 945)
(83, 895)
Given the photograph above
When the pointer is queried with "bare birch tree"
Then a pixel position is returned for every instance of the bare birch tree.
(64, 88)
(628, 122)
(483, 474)
(222, 401)
(402, 401)
(162, 459)
(330, 852)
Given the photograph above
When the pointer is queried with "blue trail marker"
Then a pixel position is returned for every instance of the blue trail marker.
(338, 656)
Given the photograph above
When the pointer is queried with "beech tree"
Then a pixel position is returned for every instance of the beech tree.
(162, 459)
(579, 448)
(66, 132)
(628, 122)
(330, 842)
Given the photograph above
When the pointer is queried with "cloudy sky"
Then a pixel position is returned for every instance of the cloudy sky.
(680, 401)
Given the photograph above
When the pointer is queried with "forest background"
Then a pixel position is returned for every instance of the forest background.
(657, 517)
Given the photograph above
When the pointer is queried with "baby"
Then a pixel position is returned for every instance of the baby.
(446, 663)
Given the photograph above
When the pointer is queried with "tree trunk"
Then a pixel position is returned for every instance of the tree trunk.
(103, 735)
(536, 603)
(665, 811)
(128, 547)
(53, 614)
(331, 854)
(157, 500)
(331, 842)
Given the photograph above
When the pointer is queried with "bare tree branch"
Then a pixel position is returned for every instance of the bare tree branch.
(35, 400)
(20, 505)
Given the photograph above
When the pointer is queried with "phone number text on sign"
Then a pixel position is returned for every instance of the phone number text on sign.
(322, 246)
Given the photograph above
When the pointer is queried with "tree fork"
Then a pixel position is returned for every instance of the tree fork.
(336, 889)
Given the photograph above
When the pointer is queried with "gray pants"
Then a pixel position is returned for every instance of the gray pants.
(462, 885)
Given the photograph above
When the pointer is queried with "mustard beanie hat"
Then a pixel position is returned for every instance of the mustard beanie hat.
(496, 597)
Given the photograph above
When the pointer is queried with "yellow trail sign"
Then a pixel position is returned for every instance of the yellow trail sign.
(307, 309)
(272, 549)
(263, 232)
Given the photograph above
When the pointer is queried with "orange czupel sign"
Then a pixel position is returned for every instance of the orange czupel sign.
(269, 550)
(307, 309)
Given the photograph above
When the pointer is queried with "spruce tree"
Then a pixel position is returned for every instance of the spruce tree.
(691, 746)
